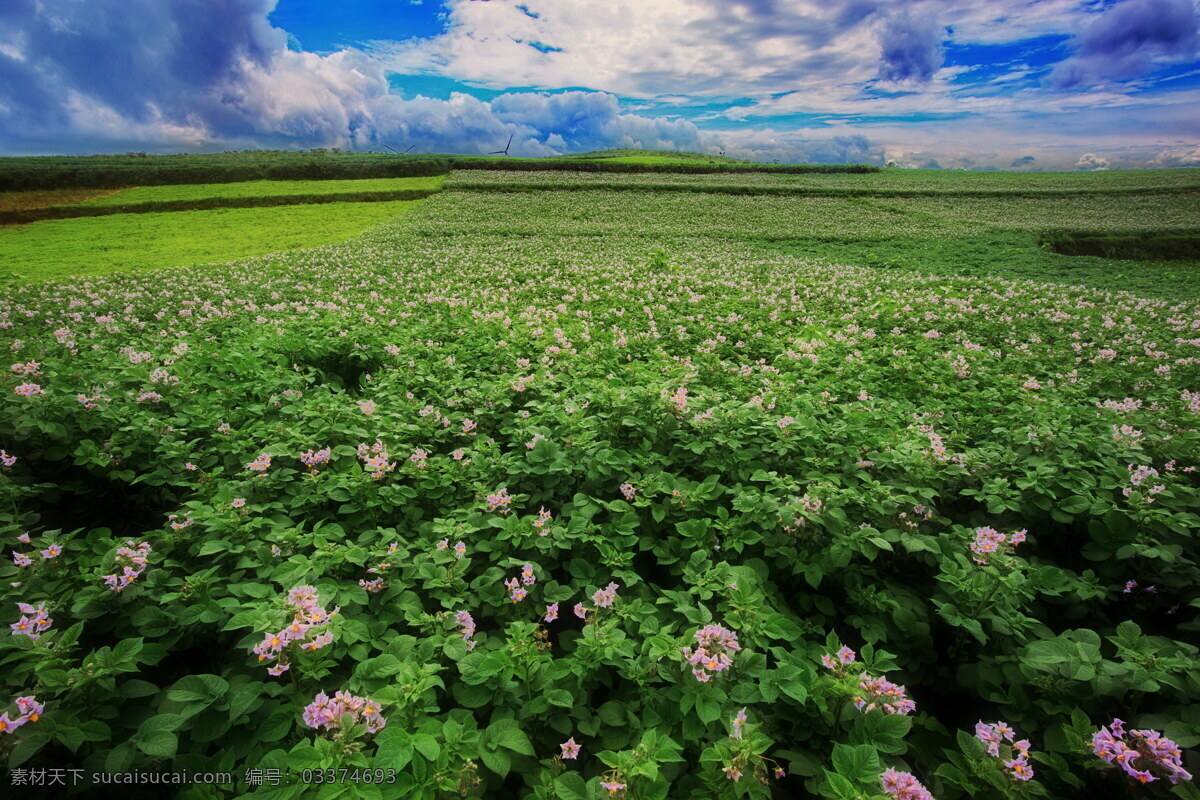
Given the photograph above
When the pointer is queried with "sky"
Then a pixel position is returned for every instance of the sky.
(976, 84)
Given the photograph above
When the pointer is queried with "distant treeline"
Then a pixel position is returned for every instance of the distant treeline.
(149, 173)
(23, 216)
(114, 172)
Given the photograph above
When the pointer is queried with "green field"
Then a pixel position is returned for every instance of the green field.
(903, 182)
(100, 245)
(248, 189)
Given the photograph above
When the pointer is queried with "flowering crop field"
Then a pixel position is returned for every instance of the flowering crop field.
(584, 495)
(886, 181)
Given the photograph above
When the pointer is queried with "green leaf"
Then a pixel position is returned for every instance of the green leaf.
(560, 697)
(497, 761)
(708, 709)
(570, 786)
(427, 746)
(137, 688)
(841, 787)
(198, 689)
(858, 763)
(507, 733)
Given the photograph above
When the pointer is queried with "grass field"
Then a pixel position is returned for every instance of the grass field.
(203, 191)
(792, 488)
(101, 245)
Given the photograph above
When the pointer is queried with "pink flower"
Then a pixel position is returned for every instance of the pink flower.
(551, 612)
(260, 464)
(53, 551)
(628, 490)
(604, 598)
(238, 502)
(580, 611)
(570, 750)
(367, 407)
(28, 390)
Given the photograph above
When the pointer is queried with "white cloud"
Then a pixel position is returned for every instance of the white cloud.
(1092, 161)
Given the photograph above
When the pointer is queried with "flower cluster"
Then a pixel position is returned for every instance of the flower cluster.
(517, 592)
(1140, 753)
(260, 464)
(26, 559)
(679, 399)
(375, 459)
(315, 458)
(34, 621)
(532, 443)
(131, 561)
(603, 598)
(469, 428)
(419, 457)
(628, 490)
(989, 541)
(329, 714)
(883, 694)
(28, 710)
(712, 654)
(302, 631)
(376, 584)
(838, 661)
(500, 501)
(178, 523)
(28, 390)
(1138, 475)
(367, 407)
(543, 517)
(466, 626)
(6, 460)
(1015, 755)
(903, 786)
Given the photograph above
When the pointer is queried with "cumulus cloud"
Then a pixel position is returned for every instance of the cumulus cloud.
(701, 48)
(148, 74)
(1091, 161)
(1023, 161)
(911, 48)
(1178, 157)
(1128, 40)
(171, 75)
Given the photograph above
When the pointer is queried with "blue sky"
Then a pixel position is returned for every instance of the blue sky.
(981, 84)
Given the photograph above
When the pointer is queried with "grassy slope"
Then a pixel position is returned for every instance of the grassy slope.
(155, 194)
(99, 245)
(23, 201)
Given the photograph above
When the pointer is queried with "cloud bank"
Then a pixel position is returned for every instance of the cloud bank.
(831, 81)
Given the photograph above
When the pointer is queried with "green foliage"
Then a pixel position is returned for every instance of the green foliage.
(106, 244)
(738, 441)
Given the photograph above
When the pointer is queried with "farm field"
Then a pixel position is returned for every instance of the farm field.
(91, 246)
(253, 189)
(900, 181)
(587, 493)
